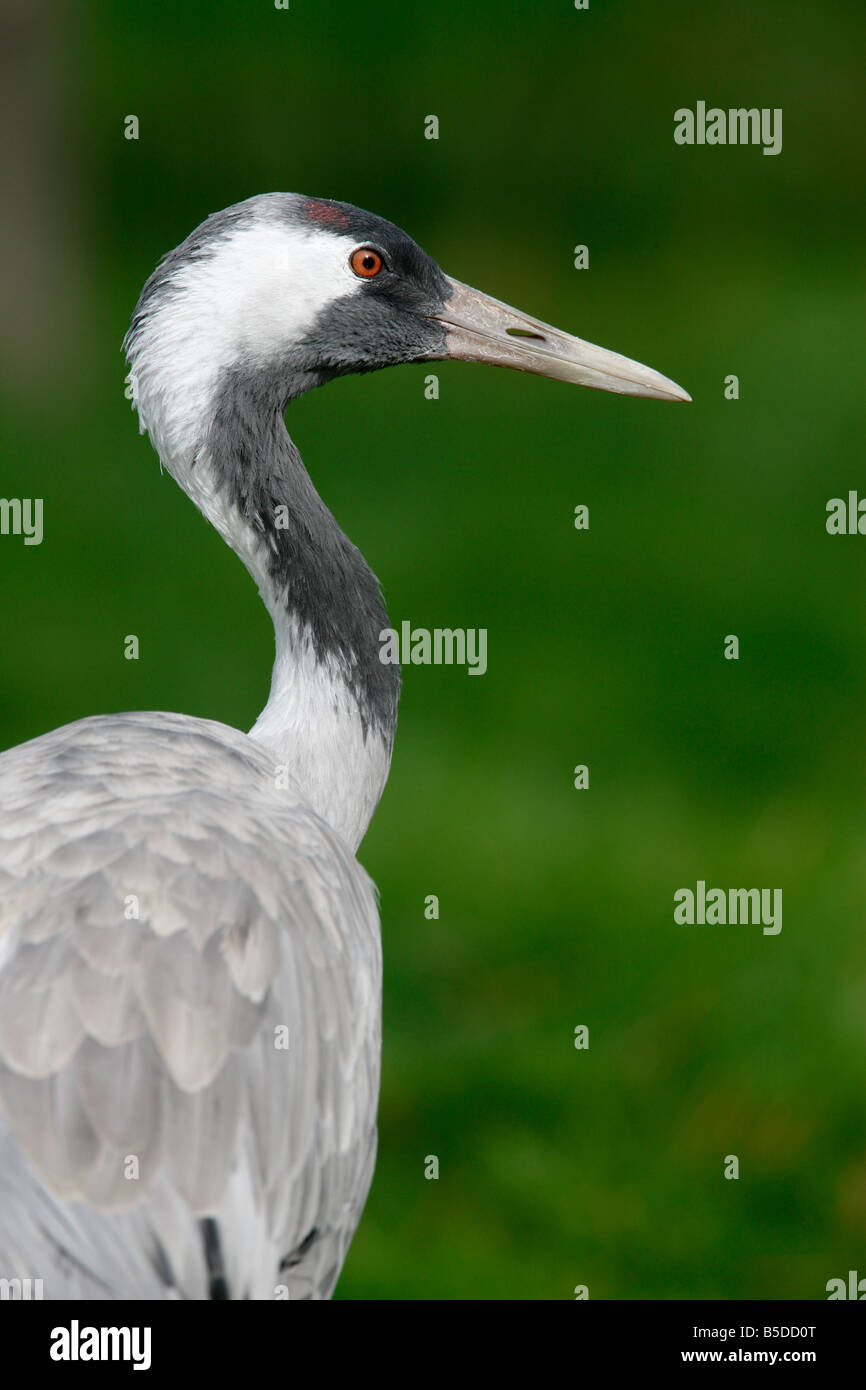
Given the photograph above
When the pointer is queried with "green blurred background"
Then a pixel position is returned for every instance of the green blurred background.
(557, 1167)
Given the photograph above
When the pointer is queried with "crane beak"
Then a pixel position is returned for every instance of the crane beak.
(479, 328)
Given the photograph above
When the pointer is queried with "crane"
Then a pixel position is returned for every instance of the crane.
(190, 961)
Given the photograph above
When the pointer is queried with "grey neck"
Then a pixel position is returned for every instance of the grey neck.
(332, 711)
(319, 582)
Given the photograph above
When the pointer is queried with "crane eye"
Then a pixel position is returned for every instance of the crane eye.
(366, 262)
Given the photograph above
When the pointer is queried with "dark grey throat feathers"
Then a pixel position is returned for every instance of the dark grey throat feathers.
(329, 591)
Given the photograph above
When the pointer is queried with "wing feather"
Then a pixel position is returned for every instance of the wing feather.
(189, 1012)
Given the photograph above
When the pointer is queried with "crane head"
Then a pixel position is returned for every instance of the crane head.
(294, 291)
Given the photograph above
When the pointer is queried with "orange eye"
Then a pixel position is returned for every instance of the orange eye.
(366, 262)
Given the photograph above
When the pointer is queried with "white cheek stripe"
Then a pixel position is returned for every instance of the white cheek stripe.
(260, 290)
(270, 282)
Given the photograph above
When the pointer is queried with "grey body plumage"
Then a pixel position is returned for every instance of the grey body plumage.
(172, 912)
(190, 974)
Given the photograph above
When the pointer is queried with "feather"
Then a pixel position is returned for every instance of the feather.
(143, 1078)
